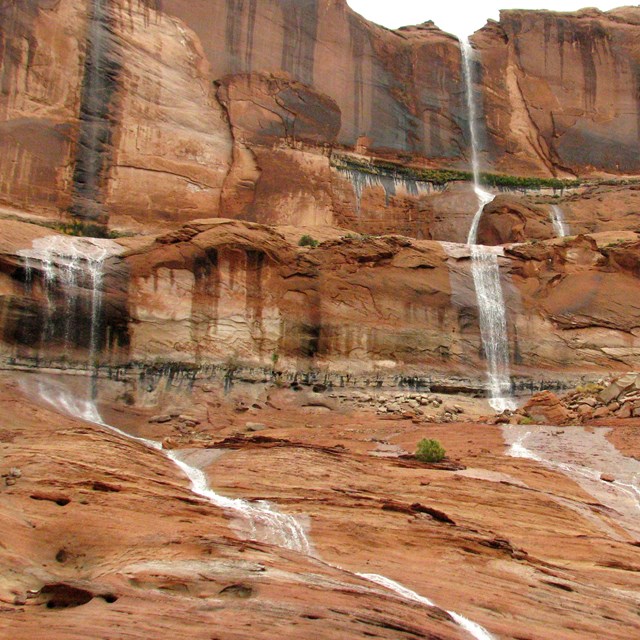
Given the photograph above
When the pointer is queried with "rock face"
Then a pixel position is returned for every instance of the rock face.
(144, 115)
(561, 90)
(236, 294)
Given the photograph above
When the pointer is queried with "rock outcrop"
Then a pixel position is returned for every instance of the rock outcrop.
(507, 220)
(145, 115)
(617, 399)
(237, 294)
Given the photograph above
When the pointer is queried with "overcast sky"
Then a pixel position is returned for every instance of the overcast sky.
(457, 16)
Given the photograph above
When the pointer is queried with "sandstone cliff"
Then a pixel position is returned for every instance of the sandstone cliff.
(236, 294)
(561, 90)
(147, 114)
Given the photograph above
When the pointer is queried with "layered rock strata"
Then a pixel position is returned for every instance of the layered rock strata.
(144, 115)
(237, 294)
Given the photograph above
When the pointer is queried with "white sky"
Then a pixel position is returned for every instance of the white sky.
(460, 17)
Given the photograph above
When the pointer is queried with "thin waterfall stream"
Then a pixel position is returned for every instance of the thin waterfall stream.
(485, 268)
(559, 223)
(64, 260)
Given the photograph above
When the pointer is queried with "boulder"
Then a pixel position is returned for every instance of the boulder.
(546, 408)
(510, 219)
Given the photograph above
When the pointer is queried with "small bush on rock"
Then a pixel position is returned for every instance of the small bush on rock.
(308, 241)
(430, 451)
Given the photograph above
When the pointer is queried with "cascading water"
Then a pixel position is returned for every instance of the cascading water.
(559, 224)
(471, 627)
(584, 456)
(265, 524)
(68, 262)
(493, 324)
(484, 197)
(261, 522)
(486, 269)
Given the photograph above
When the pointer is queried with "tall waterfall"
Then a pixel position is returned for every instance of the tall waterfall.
(559, 224)
(486, 269)
(484, 197)
(493, 324)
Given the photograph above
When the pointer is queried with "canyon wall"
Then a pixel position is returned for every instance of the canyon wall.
(242, 296)
(143, 115)
(562, 90)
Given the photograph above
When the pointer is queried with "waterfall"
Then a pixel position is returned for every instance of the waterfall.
(493, 323)
(486, 269)
(70, 263)
(559, 224)
(484, 197)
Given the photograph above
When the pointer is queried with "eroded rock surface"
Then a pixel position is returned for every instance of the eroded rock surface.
(144, 115)
(105, 532)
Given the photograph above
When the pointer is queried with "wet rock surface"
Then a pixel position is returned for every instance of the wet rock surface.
(556, 565)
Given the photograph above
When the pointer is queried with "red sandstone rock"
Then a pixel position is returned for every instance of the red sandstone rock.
(507, 219)
(540, 122)
(546, 408)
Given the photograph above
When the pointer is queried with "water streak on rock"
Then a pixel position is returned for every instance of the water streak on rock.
(559, 224)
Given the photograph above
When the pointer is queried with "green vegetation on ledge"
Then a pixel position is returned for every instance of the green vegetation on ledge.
(88, 230)
(443, 176)
(307, 241)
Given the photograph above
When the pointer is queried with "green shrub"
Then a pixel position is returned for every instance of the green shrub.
(308, 241)
(430, 451)
(590, 387)
(89, 230)
(443, 176)
(526, 420)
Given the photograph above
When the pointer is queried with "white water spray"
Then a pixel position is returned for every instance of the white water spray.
(474, 629)
(485, 269)
(559, 224)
